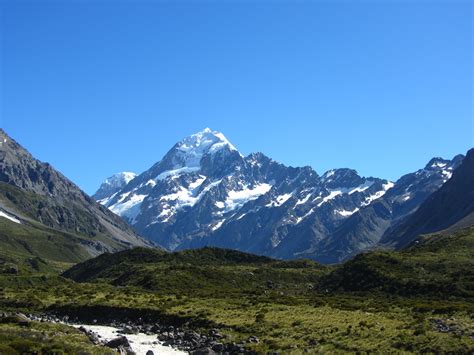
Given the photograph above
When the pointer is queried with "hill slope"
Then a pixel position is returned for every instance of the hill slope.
(427, 268)
(439, 265)
(37, 200)
(193, 272)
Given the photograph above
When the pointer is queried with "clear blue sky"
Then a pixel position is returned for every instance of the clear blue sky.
(99, 87)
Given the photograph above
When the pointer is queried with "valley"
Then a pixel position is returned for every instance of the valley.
(418, 300)
(259, 257)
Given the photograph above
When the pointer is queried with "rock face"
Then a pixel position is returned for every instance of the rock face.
(451, 207)
(205, 193)
(35, 191)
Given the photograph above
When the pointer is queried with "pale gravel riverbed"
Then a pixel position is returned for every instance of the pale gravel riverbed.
(140, 343)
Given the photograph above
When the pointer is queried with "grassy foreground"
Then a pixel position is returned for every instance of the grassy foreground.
(418, 300)
(45, 338)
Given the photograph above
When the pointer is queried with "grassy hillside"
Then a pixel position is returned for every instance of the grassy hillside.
(68, 218)
(37, 244)
(437, 265)
(36, 248)
(201, 272)
(44, 338)
(418, 300)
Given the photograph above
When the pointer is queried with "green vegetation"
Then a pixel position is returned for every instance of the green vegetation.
(62, 231)
(35, 248)
(44, 338)
(437, 265)
(418, 300)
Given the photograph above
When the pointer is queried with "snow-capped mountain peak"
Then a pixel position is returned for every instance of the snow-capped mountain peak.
(120, 179)
(113, 184)
(437, 166)
(436, 163)
(190, 151)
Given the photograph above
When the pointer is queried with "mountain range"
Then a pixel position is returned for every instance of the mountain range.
(204, 192)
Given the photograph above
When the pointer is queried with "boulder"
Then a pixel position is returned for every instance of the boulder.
(117, 342)
(218, 347)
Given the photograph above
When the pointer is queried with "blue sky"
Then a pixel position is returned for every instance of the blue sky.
(99, 87)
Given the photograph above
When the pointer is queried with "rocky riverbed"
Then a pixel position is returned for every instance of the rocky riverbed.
(138, 343)
(129, 337)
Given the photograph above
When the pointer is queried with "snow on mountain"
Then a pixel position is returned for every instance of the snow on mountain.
(111, 185)
(9, 217)
(237, 198)
(204, 192)
(192, 168)
(190, 150)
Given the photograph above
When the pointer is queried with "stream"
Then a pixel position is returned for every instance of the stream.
(140, 342)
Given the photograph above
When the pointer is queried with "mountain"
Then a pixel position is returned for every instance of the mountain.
(364, 229)
(205, 193)
(48, 215)
(451, 207)
(112, 185)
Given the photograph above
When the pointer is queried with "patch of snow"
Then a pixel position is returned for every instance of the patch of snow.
(129, 208)
(151, 183)
(253, 210)
(362, 187)
(165, 215)
(438, 165)
(351, 190)
(304, 200)
(280, 200)
(199, 181)
(184, 197)
(345, 213)
(447, 175)
(299, 219)
(406, 197)
(328, 174)
(241, 216)
(217, 225)
(105, 201)
(140, 343)
(10, 217)
(176, 172)
(369, 199)
(332, 195)
(220, 204)
(128, 176)
(236, 199)
(124, 196)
